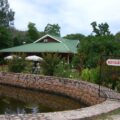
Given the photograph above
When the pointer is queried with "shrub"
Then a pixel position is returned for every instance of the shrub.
(2, 62)
(75, 74)
(110, 77)
(75, 61)
(95, 75)
(62, 70)
(91, 75)
(85, 75)
(49, 63)
(16, 65)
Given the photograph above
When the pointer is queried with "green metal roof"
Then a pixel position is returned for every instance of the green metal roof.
(64, 46)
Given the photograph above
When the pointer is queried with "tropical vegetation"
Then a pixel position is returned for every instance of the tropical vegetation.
(86, 64)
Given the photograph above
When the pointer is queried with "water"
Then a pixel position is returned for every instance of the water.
(20, 100)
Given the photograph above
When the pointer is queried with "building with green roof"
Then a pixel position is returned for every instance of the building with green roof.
(47, 44)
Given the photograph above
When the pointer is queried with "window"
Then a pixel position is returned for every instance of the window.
(45, 40)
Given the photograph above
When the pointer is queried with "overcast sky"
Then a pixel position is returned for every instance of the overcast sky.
(73, 16)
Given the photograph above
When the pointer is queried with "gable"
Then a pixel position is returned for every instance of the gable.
(47, 40)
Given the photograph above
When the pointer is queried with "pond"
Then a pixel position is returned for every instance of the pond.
(15, 99)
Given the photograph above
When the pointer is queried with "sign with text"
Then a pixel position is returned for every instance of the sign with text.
(109, 76)
(113, 62)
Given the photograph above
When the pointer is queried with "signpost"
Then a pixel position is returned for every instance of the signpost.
(109, 76)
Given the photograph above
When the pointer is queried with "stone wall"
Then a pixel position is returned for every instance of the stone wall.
(56, 102)
(77, 89)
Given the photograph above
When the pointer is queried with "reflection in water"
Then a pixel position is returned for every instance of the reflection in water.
(16, 98)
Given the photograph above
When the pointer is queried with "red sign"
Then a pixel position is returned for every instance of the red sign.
(113, 62)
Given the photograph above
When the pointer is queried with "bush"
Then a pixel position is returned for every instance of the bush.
(75, 61)
(62, 70)
(110, 77)
(95, 75)
(85, 75)
(16, 65)
(75, 74)
(49, 63)
(91, 75)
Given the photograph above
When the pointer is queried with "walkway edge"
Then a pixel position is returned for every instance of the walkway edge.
(105, 107)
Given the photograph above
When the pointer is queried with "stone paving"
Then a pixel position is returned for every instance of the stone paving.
(104, 107)
(78, 114)
(115, 117)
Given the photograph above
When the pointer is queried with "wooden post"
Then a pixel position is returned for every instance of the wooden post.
(68, 59)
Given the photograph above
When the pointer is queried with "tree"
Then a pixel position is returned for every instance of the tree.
(92, 47)
(6, 14)
(100, 29)
(5, 38)
(19, 37)
(117, 36)
(32, 32)
(6, 19)
(76, 36)
(41, 34)
(53, 29)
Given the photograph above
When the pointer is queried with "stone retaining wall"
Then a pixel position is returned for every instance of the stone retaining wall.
(56, 102)
(80, 90)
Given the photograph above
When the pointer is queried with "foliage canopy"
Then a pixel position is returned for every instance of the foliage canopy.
(53, 29)
(6, 14)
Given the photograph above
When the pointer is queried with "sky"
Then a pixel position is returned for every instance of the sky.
(73, 16)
